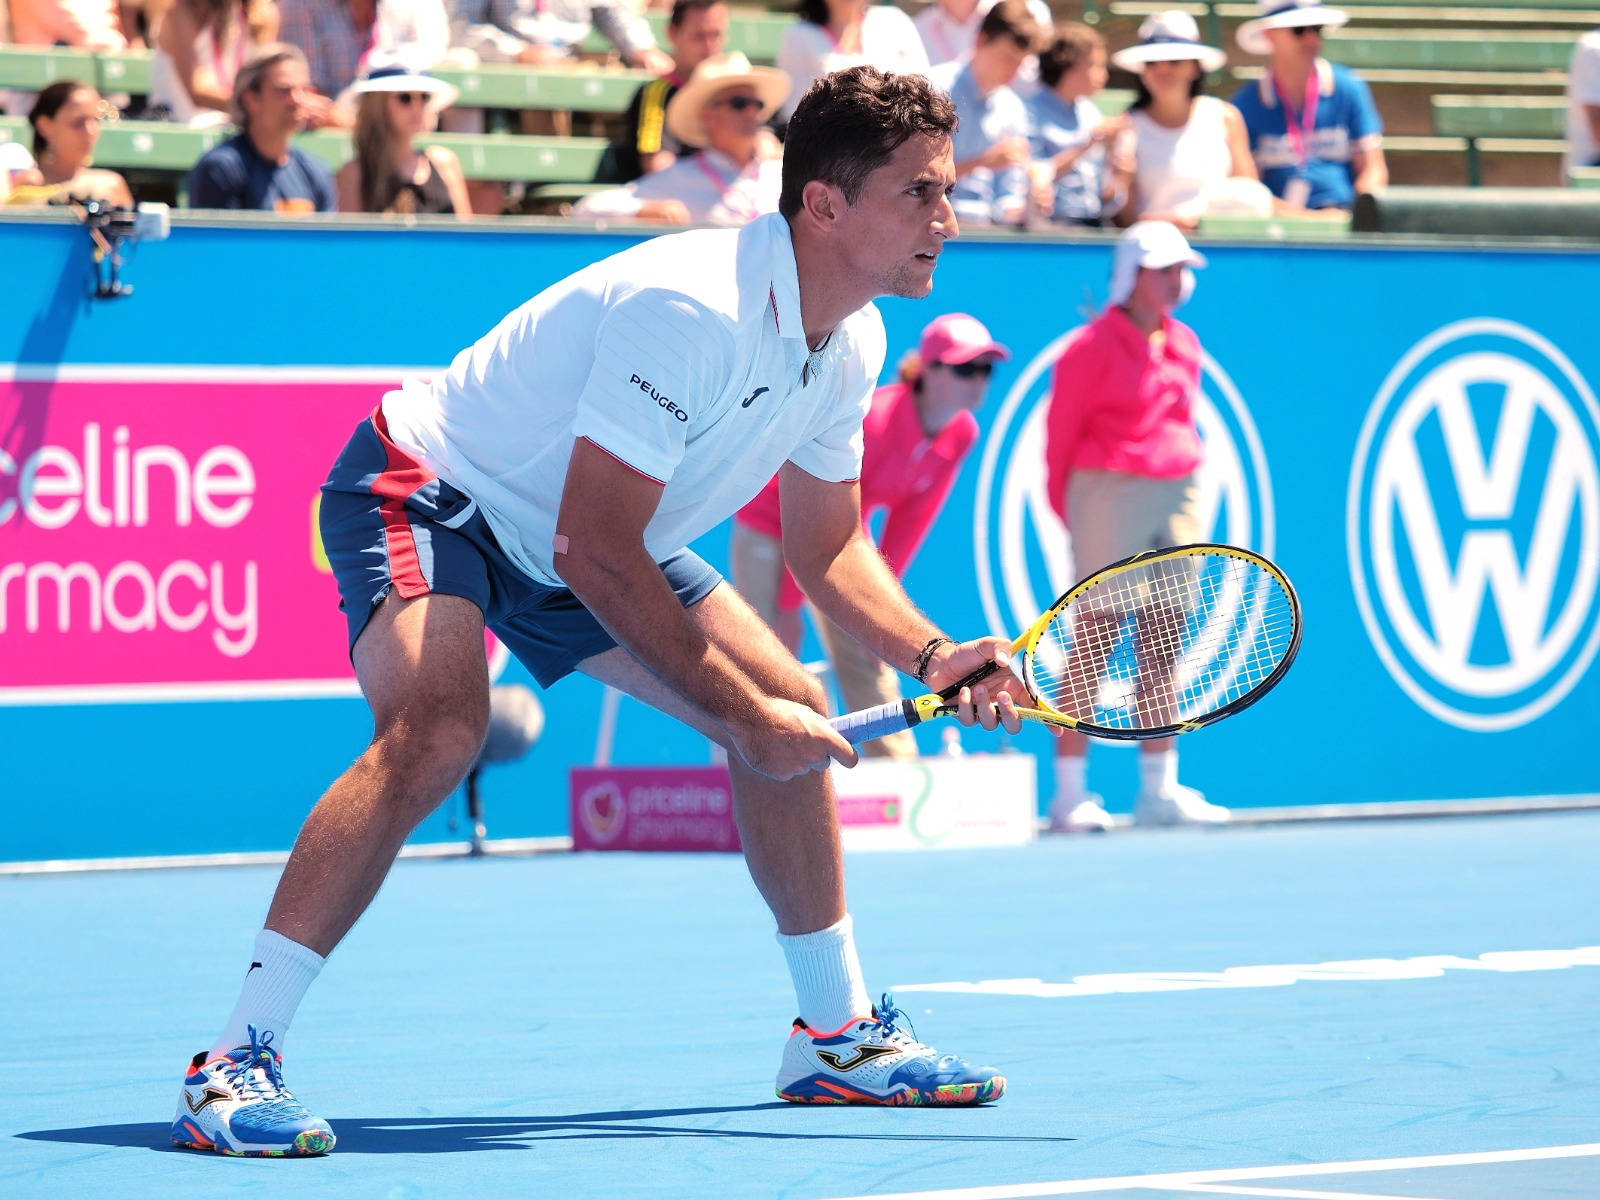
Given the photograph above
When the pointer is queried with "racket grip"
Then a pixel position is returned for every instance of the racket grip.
(871, 723)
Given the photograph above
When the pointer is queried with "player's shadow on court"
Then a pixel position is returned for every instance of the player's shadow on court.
(453, 1135)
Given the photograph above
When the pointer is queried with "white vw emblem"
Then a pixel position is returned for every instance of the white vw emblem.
(1473, 524)
(1022, 549)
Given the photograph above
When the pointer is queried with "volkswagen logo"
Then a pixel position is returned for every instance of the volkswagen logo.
(1473, 524)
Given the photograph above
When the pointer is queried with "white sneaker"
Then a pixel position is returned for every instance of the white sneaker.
(1087, 815)
(1177, 805)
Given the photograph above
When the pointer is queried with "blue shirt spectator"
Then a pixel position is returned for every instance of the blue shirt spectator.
(991, 139)
(235, 175)
(1055, 126)
(1344, 122)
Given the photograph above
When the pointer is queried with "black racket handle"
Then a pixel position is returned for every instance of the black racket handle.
(982, 673)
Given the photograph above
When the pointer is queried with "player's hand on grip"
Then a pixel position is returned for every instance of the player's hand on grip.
(783, 739)
(990, 702)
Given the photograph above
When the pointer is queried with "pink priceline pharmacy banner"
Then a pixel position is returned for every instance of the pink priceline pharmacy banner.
(158, 535)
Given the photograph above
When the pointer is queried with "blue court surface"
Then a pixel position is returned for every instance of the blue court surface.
(1358, 1010)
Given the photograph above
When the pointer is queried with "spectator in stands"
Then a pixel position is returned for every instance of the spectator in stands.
(917, 433)
(1121, 456)
(343, 39)
(723, 108)
(547, 33)
(991, 141)
(1583, 104)
(1315, 133)
(66, 119)
(84, 24)
(394, 107)
(1067, 133)
(1189, 151)
(831, 34)
(260, 168)
(696, 30)
(199, 48)
(949, 32)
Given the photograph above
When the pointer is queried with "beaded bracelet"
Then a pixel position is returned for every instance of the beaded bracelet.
(925, 656)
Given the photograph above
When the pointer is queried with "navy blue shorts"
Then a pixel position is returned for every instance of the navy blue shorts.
(390, 523)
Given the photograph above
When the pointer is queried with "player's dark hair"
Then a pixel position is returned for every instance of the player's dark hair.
(1071, 43)
(849, 123)
(815, 11)
(1011, 19)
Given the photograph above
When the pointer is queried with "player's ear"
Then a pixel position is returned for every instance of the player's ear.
(822, 203)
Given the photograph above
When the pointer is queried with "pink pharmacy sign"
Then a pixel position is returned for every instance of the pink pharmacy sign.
(157, 532)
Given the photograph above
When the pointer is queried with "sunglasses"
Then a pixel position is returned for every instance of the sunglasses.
(1302, 30)
(969, 370)
(739, 103)
(410, 98)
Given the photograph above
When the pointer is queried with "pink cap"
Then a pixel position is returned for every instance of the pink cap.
(957, 338)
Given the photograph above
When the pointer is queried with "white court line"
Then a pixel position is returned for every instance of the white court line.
(1179, 1179)
(1229, 1189)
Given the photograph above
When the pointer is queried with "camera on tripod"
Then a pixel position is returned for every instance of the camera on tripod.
(111, 225)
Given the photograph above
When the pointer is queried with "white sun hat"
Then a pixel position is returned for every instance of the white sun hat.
(1153, 244)
(396, 77)
(1285, 14)
(714, 74)
(1170, 36)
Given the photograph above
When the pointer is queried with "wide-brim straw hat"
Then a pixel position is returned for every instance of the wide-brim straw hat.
(1285, 14)
(685, 109)
(399, 78)
(1170, 36)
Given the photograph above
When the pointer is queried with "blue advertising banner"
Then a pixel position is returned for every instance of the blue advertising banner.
(1411, 431)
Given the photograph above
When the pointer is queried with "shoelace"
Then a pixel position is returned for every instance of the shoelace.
(255, 1075)
(891, 1018)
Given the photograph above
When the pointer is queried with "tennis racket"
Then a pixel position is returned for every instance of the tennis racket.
(1158, 644)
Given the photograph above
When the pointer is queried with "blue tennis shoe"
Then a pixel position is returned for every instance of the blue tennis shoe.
(878, 1060)
(237, 1104)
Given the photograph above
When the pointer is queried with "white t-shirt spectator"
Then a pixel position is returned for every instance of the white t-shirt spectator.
(683, 357)
(1583, 88)
(712, 186)
(889, 41)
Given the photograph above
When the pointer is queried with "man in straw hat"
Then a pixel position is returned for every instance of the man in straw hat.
(1314, 131)
(723, 109)
(548, 485)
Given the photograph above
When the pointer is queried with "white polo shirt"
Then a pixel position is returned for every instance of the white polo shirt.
(683, 357)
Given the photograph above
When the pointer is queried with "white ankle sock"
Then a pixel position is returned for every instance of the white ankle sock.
(1072, 775)
(1158, 773)
(827, 975)
(278, 977)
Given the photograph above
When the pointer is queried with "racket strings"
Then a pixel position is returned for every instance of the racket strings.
(1164, 642)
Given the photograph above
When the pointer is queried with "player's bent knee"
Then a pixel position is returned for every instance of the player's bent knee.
(432, 754)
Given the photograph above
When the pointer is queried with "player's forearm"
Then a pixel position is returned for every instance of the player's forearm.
(860, 594)
(629, 595)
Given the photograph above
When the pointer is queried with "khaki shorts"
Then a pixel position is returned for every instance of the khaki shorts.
(1112, 515)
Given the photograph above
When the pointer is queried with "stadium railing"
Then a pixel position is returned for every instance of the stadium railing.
(1481, 212)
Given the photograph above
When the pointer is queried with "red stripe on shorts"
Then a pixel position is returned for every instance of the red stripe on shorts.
(400, 478)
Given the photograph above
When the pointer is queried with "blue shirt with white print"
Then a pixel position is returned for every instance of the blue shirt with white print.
(1346, 120)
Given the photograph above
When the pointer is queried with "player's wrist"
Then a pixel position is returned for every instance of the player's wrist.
(928, 659)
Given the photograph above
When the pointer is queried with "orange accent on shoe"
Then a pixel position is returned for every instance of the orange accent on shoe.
(200, 1139)
(832, 1033)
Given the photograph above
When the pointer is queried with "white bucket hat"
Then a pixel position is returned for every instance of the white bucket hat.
(398, 78)
(1153, 244)
(1170, 36)
(1285, 14)
(712, 76)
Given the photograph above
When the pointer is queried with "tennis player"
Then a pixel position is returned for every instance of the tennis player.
(547, 485)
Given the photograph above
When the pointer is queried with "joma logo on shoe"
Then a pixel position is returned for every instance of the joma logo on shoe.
(863, 1054)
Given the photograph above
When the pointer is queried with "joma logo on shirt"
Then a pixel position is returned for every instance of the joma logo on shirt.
(649, 389)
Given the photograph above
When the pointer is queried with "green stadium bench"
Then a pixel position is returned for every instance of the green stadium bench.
(157, 146)
(1584, 177)
(1501, 124)
(503, 85)
(1275, 228)
(751, 31)
(30, 68)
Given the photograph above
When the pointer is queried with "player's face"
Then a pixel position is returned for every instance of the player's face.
(1159, 287)
(894, 232)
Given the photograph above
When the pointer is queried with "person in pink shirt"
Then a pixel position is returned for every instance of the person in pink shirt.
(917, 433)
(1121, 458)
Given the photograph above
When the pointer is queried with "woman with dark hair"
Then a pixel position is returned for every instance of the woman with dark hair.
(198, 50)
(832, 34)
(389, 174)
(1189, 151)
(66, 121)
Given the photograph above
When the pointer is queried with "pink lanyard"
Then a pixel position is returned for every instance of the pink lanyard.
(1300, 132)
(745, 209)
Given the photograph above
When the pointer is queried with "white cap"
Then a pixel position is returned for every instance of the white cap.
(1286, 14)
(1171, 36)
(1153, 244)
